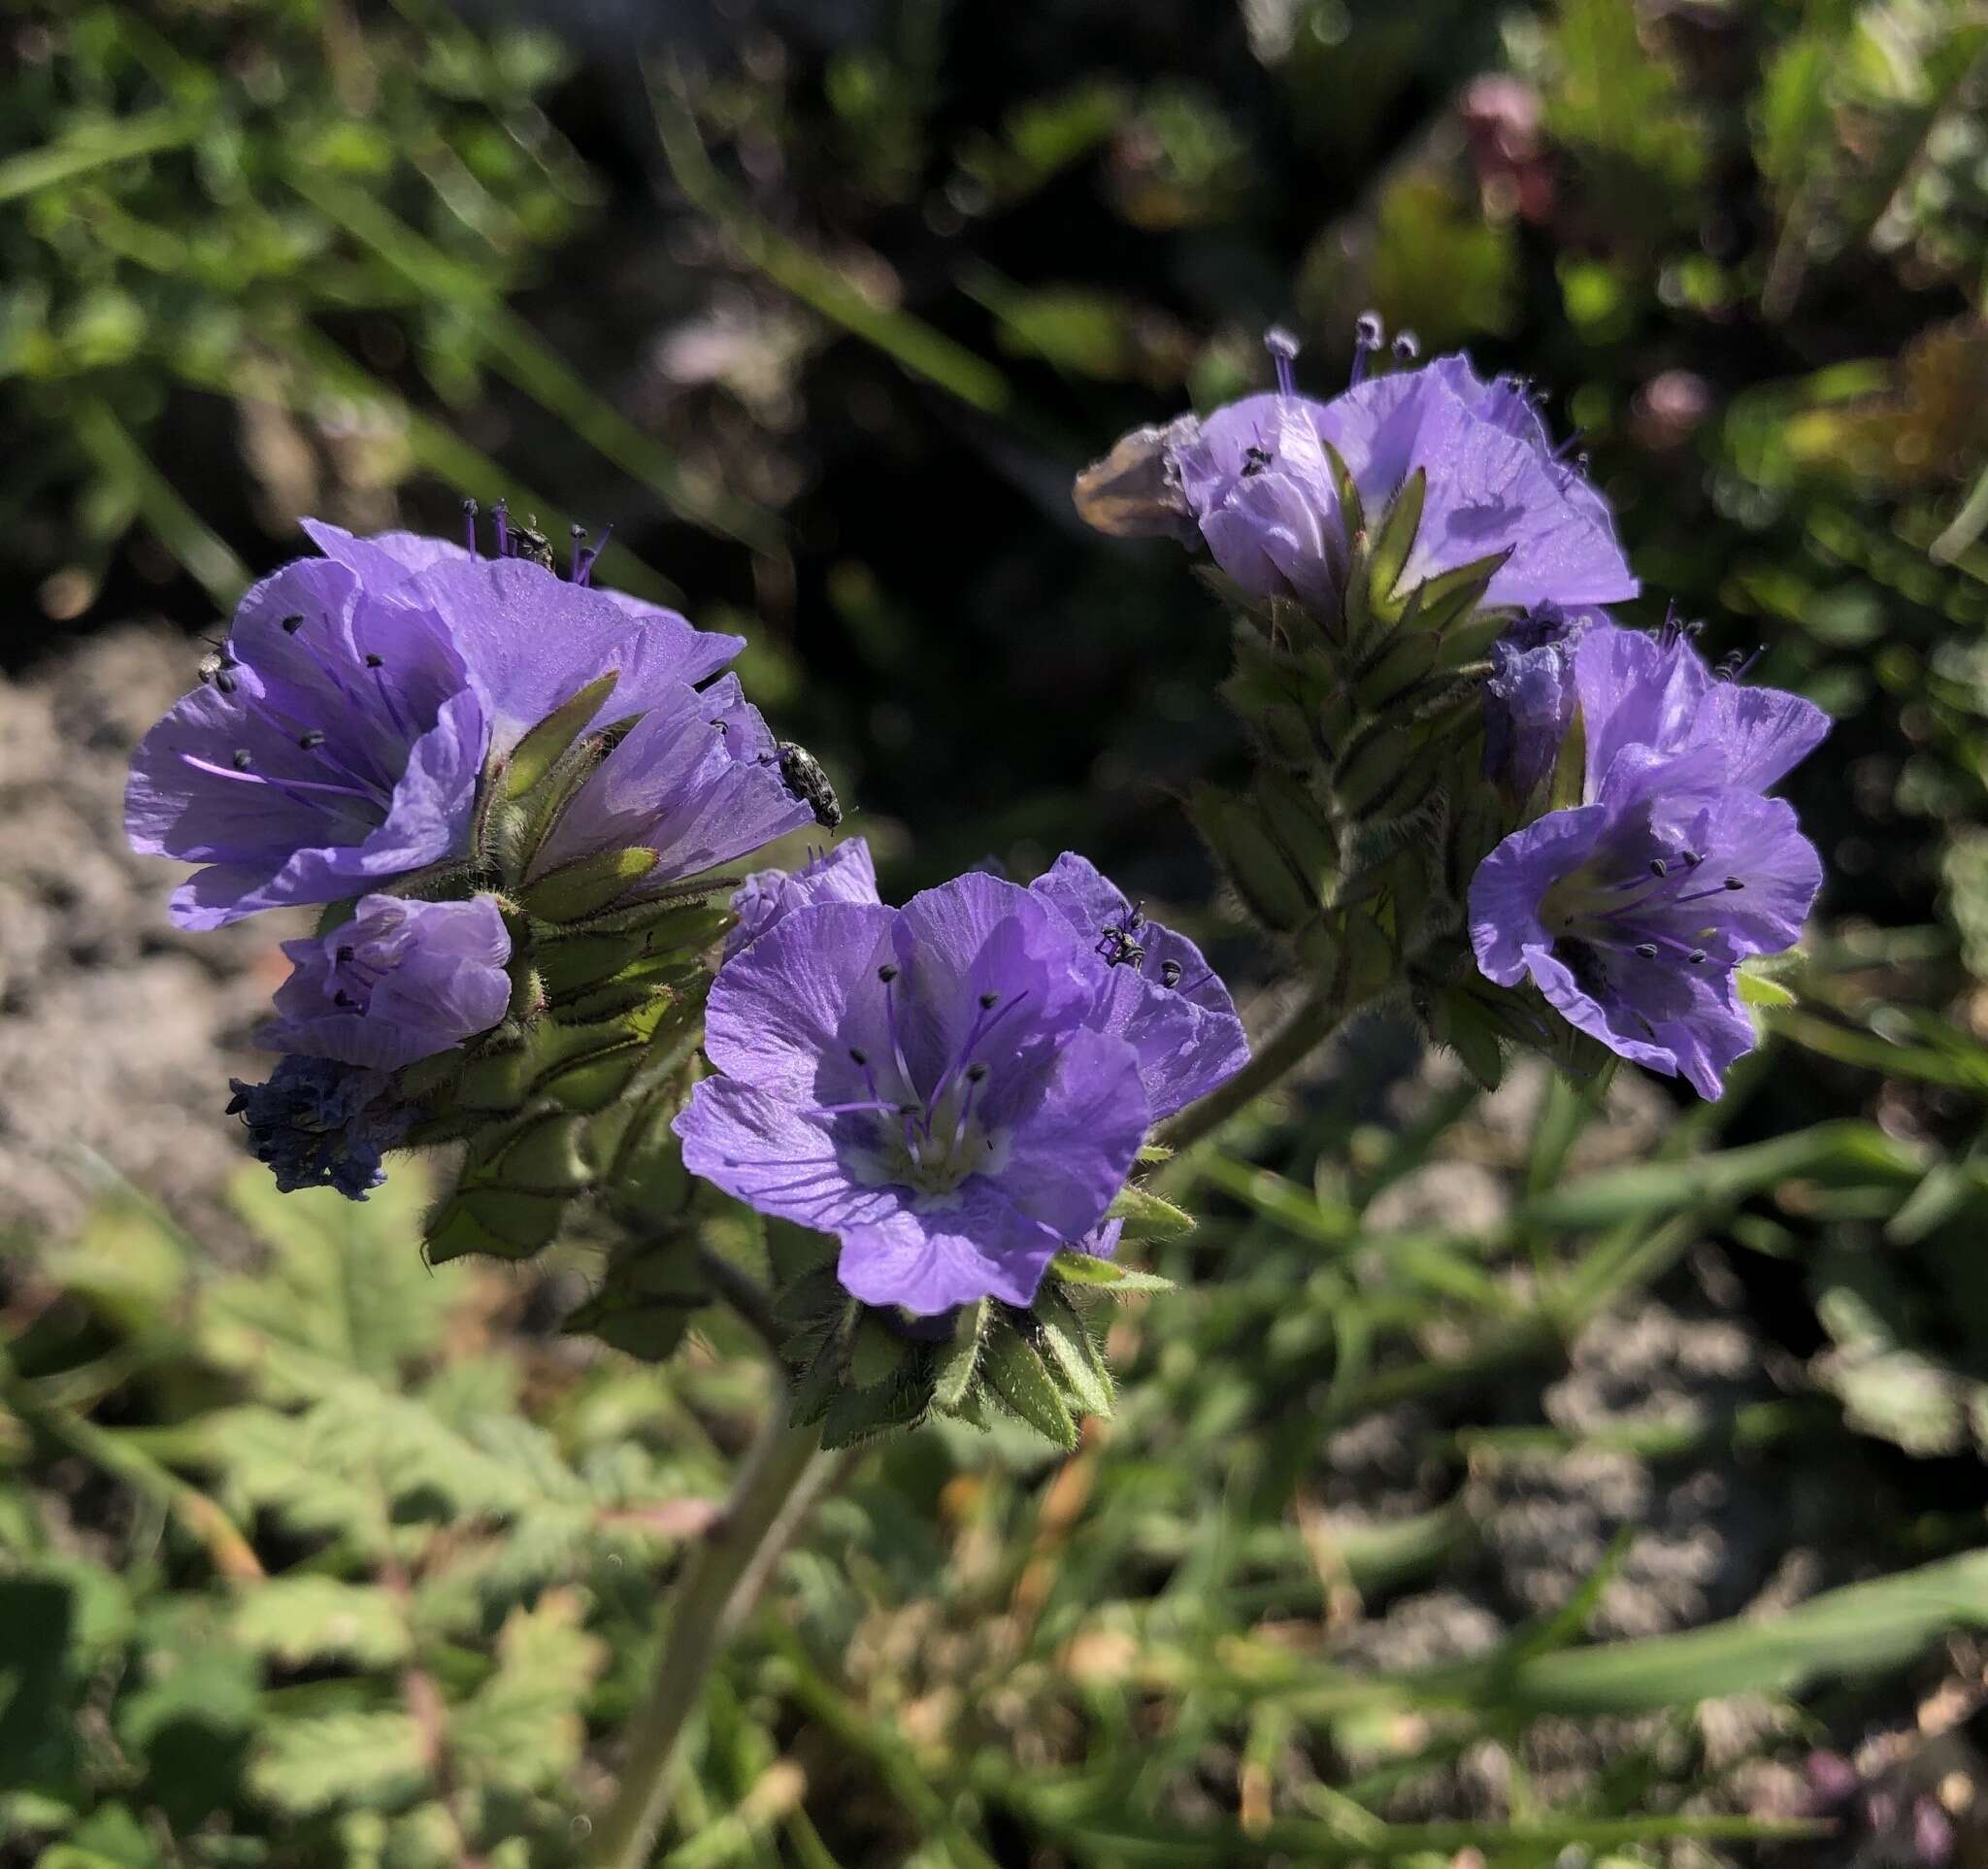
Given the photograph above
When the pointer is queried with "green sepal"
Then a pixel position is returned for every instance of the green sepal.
(1370, 770)
(1352, 509)
(1391, 544)
(958, 1359)
(1440, 601)
(1018, 1377)
(807, 1300)
(1277, 896)
(1071, 1352)
(1460, 1019)
(1470, 641)
(499, 1222)
(877, 1352)
(543, 748)
(794, 1253)
(544, 1152)
(1371, 963)
(1762, 992)
(1146, 1216)
(587, 885)
(1567, 783)
(1394, 669)
(335, 914)
(1104, 1275)
(651, 1290)
(854, 1415)
(574, 960)
(1298, 830)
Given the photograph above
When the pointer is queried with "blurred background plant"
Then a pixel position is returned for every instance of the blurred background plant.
(1546, 1471)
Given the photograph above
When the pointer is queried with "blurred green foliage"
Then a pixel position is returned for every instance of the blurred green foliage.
(336, 1560)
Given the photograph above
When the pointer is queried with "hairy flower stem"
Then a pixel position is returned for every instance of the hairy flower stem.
(1283, 1051)
(784, 1474)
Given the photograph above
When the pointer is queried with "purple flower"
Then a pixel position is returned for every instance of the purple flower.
(1256, 478)
(334, 743)
(337, 739)
(1631, 910)
(400, 981)
(1529, 697)
(320, 1123)
(531, 640)
(697, 781)
(843, 873)
(1156, 990)
(928, 1084)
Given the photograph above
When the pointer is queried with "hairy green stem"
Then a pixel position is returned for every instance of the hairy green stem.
(1280, 1053)
(779, 1482)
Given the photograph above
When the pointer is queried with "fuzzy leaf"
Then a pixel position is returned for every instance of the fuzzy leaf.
(522, 1730)
(319, 1762)
(295, 1619)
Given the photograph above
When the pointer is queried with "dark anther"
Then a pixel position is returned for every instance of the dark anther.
(976, 1073)
(1169, 973)
(1369, 333)
(988, 1002)
(909, 1110)
(242, 760)
(1407, 347)
(292, 624)
(857, 1054)
(1690, 859)
(225, 682)
(1734, 883)
(1658, 867)
(1696, 956)
(1647, 949)
(887, 973)
(346, 952)
(343, 998)
(1254, 460)
(312, 740)
(375, 661)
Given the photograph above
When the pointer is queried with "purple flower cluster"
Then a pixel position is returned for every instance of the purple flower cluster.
(339, 736)
(1631, 910)
(342, 741)
(958, 1088)
(1257, 480)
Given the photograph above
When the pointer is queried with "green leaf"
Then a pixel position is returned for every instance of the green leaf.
(522, 1729)
(345, 1289)
(319, 1762)
(295, 1619)
(1861, 1630)
(540, 750)
(1018, 1377)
